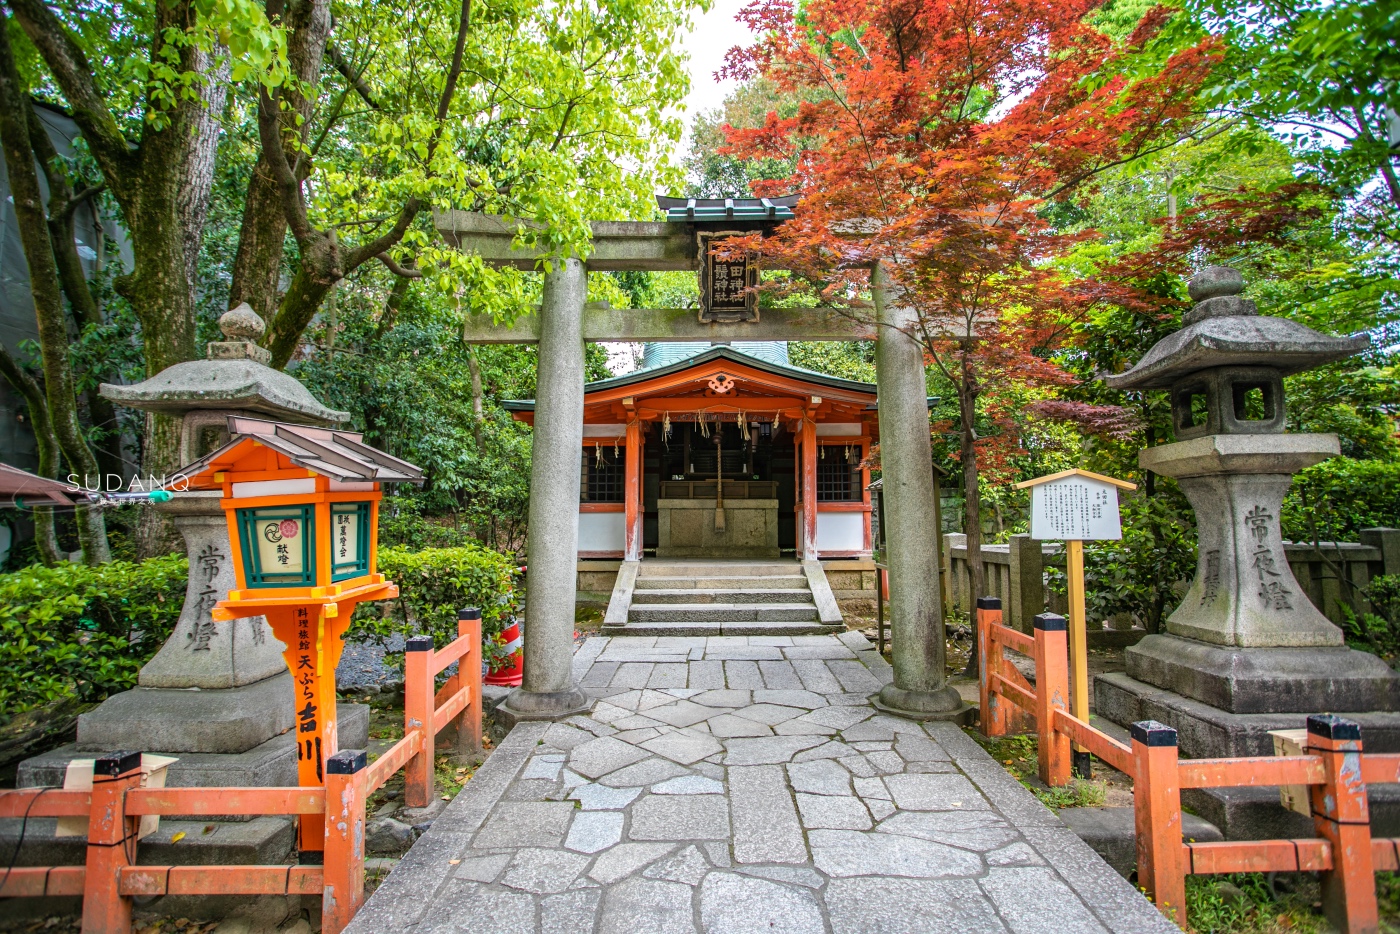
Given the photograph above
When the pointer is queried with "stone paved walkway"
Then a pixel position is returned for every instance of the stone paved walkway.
(744, 784)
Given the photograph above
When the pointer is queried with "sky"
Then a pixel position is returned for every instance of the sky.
(715, 33)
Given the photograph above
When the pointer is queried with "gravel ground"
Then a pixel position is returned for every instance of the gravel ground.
(363, 665)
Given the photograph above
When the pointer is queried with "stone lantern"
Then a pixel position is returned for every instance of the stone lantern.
(218, 694)
(1246, 651)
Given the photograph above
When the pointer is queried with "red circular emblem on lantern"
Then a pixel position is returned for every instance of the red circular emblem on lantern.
(289, 528)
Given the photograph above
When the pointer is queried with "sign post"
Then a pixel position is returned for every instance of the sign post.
(1075, 506)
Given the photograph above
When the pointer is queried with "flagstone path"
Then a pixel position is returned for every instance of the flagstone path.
(745, 784)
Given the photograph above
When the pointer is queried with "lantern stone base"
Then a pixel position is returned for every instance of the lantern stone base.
(272, 763)
(1265, 680)
(175, 721)
(1206, 731)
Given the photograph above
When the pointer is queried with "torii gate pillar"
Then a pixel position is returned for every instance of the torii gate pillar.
(920, 689)
(548, 691)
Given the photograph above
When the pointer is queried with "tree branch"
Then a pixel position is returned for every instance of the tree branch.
(270, 135)
(355, 78)
(75, 77)
(401, 271)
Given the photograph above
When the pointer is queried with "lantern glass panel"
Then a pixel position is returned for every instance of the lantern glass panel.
(278, 546)
(349, 540)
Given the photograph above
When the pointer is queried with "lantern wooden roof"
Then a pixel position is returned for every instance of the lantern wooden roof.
(339, 455)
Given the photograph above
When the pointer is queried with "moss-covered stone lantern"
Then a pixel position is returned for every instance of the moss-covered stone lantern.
(1245, 639)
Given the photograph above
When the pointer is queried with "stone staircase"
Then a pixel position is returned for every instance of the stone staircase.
(711, 598)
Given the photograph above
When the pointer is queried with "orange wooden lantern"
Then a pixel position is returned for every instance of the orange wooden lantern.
(302, 505)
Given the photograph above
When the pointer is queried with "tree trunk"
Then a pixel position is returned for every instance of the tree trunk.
(972, 507)
(45, 536)
(258, 264)
(59, 388)
(390, 314)
(162, 186)
(320, 270)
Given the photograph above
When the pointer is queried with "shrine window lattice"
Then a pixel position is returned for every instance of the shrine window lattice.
(604, 480)
(838, 475)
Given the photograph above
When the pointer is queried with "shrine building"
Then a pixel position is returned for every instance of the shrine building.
(724, 451)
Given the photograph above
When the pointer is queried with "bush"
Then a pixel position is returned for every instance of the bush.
(433, 585)
(1338, 498)
(82, 631)
(402, 524)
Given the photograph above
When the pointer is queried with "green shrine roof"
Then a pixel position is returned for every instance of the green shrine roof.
(694, 354)
(663, 354)
(720, 210)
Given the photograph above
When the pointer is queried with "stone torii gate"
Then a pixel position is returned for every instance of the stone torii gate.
(564, 322)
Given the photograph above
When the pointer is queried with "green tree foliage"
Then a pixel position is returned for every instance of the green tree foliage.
(1333, 501)
(1325, 76)
(434, 584)
(394, 358)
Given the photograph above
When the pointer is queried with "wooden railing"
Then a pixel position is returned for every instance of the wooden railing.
(110, 878)
(1333, 767)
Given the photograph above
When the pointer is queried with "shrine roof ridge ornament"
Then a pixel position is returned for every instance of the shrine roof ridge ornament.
(340, 455)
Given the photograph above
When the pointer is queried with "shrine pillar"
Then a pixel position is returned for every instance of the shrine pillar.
(920, 689)
(632, 497)
(548, 690)
(809, 486)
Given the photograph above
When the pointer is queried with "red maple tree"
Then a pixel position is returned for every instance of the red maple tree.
(940, 131)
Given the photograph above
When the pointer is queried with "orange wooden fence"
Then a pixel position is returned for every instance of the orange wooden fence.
(110, 877)
(1334, 768)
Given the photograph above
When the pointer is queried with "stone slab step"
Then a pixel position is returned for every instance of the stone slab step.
(717, 569)
(710, 582)
(700, 628)
(723, 612)
(720, 595)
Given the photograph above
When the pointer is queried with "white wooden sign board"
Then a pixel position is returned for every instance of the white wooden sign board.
(1075, 507)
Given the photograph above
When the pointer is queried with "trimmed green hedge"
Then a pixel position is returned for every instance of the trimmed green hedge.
(79, 631)
(1341, 497)
(76, 631)
(433, 585)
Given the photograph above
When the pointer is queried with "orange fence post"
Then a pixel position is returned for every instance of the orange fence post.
(1161, 859)
(1342, 818)
(418, 715)
(1051, 694)
(343, 874)
(469, 676)
(111, 843)
(992, 718)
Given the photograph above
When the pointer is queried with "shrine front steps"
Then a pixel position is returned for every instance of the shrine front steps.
(737, 598)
